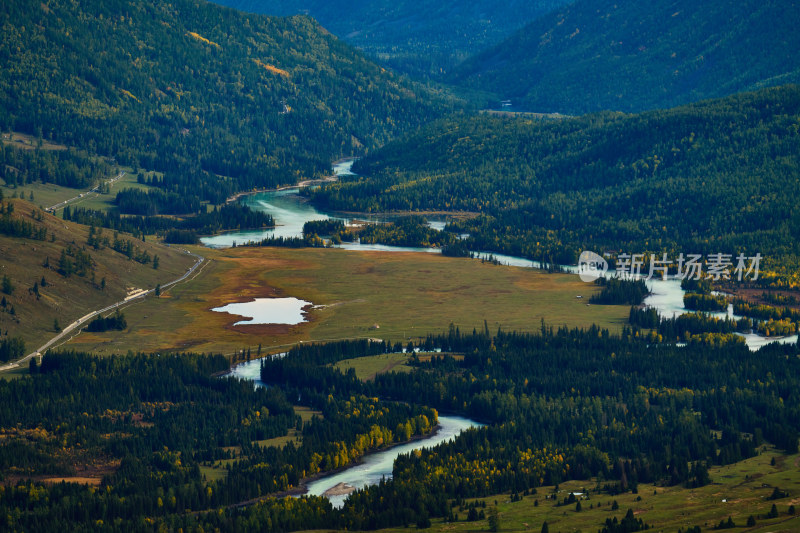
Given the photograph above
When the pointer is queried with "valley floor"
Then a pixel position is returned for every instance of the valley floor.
(391, 296)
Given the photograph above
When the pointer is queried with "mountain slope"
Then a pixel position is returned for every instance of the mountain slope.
(718, 176)
(629, 56)
(34, 246)
(421, 37)
(221, 100)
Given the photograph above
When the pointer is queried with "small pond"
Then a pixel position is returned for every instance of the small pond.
(268, 311)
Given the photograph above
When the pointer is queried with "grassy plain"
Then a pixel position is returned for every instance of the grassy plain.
(387, 295)
(105, 201)
(44, 194)
(23, 141)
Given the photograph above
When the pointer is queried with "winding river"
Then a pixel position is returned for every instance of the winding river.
(376, 465)
(291, 211)
(379, 465)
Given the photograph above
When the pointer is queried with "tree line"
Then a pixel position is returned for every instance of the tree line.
(182, 230)
(68, 168)
(99, 324)
(617, 291)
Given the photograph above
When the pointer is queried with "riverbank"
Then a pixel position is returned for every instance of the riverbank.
(302, 486)
(459, 215)
(375, 467)
(336, 165)
(242, 194)
(299, 185)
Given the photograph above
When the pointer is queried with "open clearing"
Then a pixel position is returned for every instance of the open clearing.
(387, 295)
(366, 368)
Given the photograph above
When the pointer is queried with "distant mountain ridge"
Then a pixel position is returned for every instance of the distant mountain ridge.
(423, 37)
(628, 55)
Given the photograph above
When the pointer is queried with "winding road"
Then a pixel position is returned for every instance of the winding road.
(96, 189)
(84, 319)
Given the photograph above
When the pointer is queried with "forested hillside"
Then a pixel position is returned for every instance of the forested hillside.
(628, 55)
(425, 38)
(219, 100)
(719, 176)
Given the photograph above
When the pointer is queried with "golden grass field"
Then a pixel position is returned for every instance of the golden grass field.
(388, 295)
